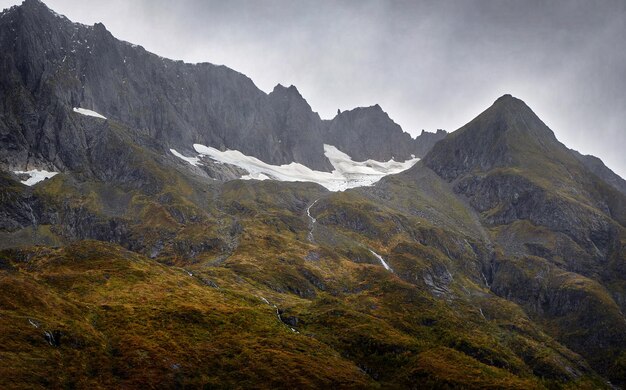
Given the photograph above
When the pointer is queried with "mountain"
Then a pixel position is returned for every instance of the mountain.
(369, 133)
(52, 65)
(544, 208)
(132, 258)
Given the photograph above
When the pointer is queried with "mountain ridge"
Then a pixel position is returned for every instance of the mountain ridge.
(539, 200)
(180, 103)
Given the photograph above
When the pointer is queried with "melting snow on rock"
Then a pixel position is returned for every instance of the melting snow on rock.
(346, 174)
(35, 176)
(195, 161)
(84, 111)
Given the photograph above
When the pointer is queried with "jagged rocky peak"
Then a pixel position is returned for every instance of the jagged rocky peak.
(369, 133)
(286, 91)
(283, 98)
(35, 10)
(298, 129)
(370, 120)
(374, 111)
(426, 140)
(64, 65)
(438, 132)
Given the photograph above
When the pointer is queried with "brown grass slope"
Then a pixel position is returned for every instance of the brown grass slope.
(156, 276)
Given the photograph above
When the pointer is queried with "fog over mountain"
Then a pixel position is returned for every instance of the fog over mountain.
(429, 65)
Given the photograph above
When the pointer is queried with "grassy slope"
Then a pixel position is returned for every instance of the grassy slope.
(125, 319)
(131, 317)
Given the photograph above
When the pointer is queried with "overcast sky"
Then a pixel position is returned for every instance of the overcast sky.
(429, 64)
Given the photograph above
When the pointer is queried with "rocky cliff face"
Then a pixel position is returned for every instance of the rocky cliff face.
(426, 141)
(51, 65)
(596, 166)
(369, 133)
(300, 130)
(546, 210)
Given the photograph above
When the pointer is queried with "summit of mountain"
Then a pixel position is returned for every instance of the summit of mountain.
(507, 133)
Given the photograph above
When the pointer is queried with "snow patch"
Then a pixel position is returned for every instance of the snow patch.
(84, 111)
(35, 176)
(195, 161)
(346, 174)
(256, 176)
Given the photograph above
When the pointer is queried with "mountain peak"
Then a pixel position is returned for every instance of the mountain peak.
(375, 110)
(510, 102)
(500, 136)
(99, 27)
(281, 88)
(36, 10)
(506, 97)
(286, 93)
(35, 5)
(510, 114)
(369, 133)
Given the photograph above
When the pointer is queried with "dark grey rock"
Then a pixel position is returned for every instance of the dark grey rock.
(596, 166)
(51, 65)
(369, 133)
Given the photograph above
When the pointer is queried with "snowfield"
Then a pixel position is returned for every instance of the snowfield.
(347, 173)
(36, 176)
(195, 161)
(84, 111)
